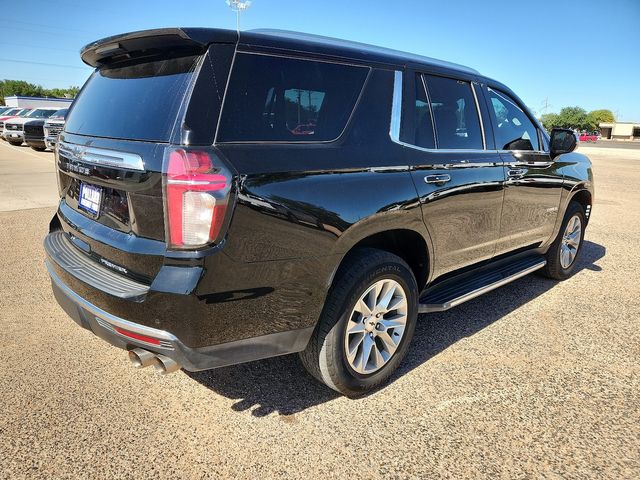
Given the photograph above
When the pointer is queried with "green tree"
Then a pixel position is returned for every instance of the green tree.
(573, 117)
(9, 88)
(19, 87)
(550, 121)
(596, 117)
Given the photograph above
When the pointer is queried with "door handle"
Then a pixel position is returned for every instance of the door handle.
(438, 178)
(516, 172)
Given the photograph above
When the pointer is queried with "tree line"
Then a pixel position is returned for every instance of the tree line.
(578, 118)
(9, 88)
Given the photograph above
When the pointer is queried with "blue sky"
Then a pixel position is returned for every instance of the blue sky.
(561, 51)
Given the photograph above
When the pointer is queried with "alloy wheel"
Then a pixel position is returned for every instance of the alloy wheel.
(570, 241)
(376, 326)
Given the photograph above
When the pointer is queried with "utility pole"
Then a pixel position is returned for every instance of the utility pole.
(238, 6)
(545, 105)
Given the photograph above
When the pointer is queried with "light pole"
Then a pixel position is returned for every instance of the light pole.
(238, 6)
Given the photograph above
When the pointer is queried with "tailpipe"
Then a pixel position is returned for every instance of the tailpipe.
(141, 358)
(165, 365)
(162, 364)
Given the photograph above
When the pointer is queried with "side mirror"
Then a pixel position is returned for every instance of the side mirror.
(563, 140)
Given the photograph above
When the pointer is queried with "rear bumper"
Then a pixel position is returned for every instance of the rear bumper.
(106, 326)
(77, 281)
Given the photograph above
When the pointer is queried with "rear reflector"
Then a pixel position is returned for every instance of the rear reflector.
(196, 192)
(137, 336)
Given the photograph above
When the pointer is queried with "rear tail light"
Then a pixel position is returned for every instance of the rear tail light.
(137, 336)
(197, 187)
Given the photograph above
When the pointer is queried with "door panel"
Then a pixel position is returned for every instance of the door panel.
(460, 184)
(531, 200)
(532, 187)
(463, 214)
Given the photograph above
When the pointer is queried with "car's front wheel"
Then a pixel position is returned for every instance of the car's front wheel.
(563, 254)
(366, 325)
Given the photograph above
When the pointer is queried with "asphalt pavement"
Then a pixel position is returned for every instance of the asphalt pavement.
(625, 145)
(538, 379)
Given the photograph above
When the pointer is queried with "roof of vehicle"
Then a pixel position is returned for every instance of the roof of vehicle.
(146, 42)
(48, 99)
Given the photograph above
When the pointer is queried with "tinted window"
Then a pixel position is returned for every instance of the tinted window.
(40, 113)
(512, 128)
(455, 113)
(138, 102)
(59, 114)
(417, 126)
(283, 99)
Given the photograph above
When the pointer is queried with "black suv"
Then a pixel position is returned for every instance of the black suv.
(228, 197)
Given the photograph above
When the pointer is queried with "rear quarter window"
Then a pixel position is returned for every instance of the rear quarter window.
(137, 102)
(277, 99)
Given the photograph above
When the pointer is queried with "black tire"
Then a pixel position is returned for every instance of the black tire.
(15, 144)
(554, 268)
(39, 149)
(325, 355)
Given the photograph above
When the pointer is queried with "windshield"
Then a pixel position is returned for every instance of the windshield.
(40, 113)
(23, 113)
(59, 114)
(12, 111)
(137, 102)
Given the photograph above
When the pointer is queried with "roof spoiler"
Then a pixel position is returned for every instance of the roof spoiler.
(147, 43)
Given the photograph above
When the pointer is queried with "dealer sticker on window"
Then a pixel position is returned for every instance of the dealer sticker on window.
(90, 197)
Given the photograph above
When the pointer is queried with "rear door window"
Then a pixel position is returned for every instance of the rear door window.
(455, 113)
(276, 99)
(417, 124)
(512, 127)
(138, 102)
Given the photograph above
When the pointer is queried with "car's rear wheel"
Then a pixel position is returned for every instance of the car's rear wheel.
(366, 325)
(563, 253)
(15, 144)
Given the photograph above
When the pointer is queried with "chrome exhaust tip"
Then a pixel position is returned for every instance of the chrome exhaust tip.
(141, 358)
(165, 365)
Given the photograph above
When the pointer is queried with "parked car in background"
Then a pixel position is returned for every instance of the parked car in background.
(589, 137)
(13, 131)
(13, 113)
(53, 126)
(34, 134)
(212, 233)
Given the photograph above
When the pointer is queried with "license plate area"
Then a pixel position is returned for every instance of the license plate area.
(90, 198)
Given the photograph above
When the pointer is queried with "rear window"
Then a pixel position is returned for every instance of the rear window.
(138, 102)
(284, 99)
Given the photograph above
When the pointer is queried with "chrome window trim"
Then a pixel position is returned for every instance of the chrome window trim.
(528, 152)
(475, 97)
(285, 142)
(396, 117)
(102, 157)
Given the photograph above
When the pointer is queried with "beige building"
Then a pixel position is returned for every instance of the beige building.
(620, 131)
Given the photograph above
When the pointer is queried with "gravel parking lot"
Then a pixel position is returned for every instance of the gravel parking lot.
(537, 379)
